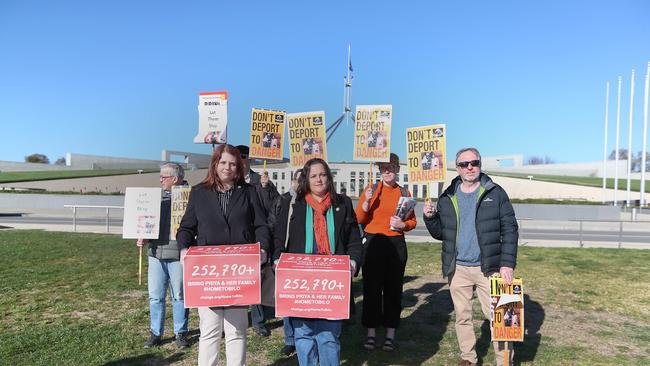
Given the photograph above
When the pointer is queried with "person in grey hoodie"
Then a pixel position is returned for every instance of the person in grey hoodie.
(165, 267)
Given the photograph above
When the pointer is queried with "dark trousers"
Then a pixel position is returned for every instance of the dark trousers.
(383, 277)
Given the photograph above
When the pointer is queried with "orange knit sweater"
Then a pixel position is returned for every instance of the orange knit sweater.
(383, 205)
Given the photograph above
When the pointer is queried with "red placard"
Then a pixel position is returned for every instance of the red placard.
(223, 275)
(313, 286)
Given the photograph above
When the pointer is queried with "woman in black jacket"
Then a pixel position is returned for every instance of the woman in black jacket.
(224, 210)
(322, 222)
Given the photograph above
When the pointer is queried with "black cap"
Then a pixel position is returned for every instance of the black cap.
(243, 150)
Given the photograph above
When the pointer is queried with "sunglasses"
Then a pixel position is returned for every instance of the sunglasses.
(465, 164)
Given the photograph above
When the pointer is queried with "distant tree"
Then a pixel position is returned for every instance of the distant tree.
(637, 161)
(37, 158)
(60, 161)
(622, 154)
(539, 160)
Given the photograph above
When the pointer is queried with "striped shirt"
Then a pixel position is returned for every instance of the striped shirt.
(223, 198)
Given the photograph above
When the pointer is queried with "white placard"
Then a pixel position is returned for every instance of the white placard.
(213, 118)
(141, 213)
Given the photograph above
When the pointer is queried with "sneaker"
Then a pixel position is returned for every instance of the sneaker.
(287, 350)
(182, 341)
(153, 341)
(262, 331)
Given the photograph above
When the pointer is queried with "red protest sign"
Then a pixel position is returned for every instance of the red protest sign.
(223, 275)
(313, 286)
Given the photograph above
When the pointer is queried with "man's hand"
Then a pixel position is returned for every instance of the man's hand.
(506, 274)
(140, 242)
(429, 208)
(183, 253)
(353, 267)
(397, 223)
(264, 179)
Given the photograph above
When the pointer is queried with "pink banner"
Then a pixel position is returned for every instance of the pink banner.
(222, 275)
(313, 286)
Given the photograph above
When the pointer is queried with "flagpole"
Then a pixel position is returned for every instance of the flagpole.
(629, 141)
(605, 150)
(618, 128)
(645, 135)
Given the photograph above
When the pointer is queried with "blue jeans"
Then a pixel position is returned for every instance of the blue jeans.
(317, 340)
(288, 332)
(164, 273)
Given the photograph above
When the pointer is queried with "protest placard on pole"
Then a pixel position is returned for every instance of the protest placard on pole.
(372, 124)
(306, 137)
(213, 118)
(426, 153)
(267, 134)
(141, 213)
(180, 197)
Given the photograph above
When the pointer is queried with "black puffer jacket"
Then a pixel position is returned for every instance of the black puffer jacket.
(496, 227)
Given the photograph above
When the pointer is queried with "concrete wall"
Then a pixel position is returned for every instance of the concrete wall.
(591, 169)
(15, 202)
(566, 212)
(85, 162)
(15, 166)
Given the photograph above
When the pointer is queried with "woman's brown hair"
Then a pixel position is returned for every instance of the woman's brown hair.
(212, 180)
(303, 182)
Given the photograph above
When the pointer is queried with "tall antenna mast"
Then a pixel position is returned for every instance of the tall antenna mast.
(347, 98)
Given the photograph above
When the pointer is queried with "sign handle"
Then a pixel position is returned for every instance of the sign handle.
(371, 179)
(140, 267)
(264, 171)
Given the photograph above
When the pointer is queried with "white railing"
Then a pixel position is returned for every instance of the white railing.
(108, 211)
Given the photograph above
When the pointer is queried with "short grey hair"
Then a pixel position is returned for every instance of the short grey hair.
(465, 149)
(174, 170)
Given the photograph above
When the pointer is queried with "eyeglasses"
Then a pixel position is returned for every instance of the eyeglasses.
(465, 164)
(388, 167)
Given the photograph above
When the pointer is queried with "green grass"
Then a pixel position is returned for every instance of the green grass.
(12, 177)
(73, 299)
(635, 184)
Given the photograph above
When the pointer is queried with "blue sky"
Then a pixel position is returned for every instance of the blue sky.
(122, 78)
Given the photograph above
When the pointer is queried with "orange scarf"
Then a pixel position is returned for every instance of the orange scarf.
(320, 222)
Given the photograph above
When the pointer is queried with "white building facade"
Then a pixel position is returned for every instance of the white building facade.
(349, 178)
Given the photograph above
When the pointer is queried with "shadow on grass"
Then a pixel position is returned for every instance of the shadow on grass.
(524, 351)
(423, 329)
(527, 350)
(148, 359)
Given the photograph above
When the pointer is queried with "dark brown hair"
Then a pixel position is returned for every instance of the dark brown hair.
(303, 183)
(212, 180)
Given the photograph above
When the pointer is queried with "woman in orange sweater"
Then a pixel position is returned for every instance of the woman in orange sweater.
(385, 254)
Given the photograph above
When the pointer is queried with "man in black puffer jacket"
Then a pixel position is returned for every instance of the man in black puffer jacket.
(476, 223)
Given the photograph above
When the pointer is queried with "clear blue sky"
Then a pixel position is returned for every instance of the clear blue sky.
(122, 78)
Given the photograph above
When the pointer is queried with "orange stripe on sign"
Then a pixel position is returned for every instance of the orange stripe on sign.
(225, 93)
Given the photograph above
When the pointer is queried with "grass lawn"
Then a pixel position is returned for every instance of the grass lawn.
(635, 184)
(73, 299)
(10, 177)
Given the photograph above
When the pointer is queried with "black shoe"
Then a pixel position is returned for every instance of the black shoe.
(153, 341)
(287, 350)
(262, 331)
(182, 341)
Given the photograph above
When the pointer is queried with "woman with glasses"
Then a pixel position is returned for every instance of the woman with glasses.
(322, 222)
(224, 210)
(385, 254)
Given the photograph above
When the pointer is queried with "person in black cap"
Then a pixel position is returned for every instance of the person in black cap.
(267, 193)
